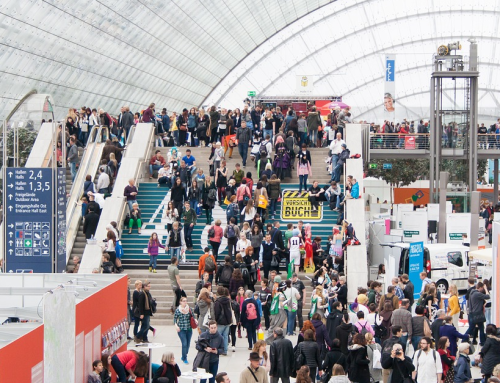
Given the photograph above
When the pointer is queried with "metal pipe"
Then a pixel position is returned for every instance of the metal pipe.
(432, 142)
(473, 134)
(437, 134)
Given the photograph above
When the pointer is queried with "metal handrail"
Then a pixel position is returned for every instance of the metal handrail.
(136, 176)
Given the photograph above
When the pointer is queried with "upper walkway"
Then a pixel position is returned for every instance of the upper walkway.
(396, 145)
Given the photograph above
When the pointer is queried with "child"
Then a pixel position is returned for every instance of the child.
(153, 245)
(107, 265)
(238, 175)
(85, 204)
(94, 376)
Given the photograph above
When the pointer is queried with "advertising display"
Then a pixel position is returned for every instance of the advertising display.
(28, 218)
(304, 84)
(389, 86)
(416, 266)
(295, 206)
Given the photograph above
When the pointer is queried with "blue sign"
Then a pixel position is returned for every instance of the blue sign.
(389, 70)
(387, 166)
(416, 266)
(60, 238)
(28, 219)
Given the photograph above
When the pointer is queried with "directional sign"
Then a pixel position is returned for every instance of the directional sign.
(372, 166)
(251, 93)
(60, 229)
(387, 166)
(28, 215)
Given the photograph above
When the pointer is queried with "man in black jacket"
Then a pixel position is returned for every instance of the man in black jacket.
(334, 319)
(281, 358)
(408, 290)
(215, 348)
(223, 315)
(145, 306)
(401, 365)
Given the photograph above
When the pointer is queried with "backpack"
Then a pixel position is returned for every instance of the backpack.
(246, 275)
(263, 150)
(363, 329)
(351, 335)
(212, 195)
(198, 287)
(230, 231)
(415, 357)
(211, 232)
(388, 300)
(380, 330)
(209, 264)
(251, 311)
(226, 274)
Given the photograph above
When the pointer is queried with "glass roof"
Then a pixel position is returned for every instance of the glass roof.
(107, 53)
(342, 47)
(182, 53)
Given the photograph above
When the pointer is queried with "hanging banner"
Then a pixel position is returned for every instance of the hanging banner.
(409, 142)
(304, 84)
(416, 265)
(389, 87)
(414, 225)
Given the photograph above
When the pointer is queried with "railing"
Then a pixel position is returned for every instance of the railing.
(392, 141)
(488, 141)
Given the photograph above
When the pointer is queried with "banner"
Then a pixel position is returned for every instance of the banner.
(304, 84)
(295, 206)
(416, 266)
(414, 225)
(458, 228)
(409, 142)
(389, 87)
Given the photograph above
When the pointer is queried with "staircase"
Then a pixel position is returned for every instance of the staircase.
(161, 290)
(153, 200)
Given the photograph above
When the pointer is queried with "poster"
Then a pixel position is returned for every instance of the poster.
(304, 84)
(416, 266)
(414, 225)
(295, 206)
(400, 209)
(409, 142)
(458, 225)
(390, 87)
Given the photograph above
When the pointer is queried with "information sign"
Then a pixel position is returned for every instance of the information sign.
(251, 93)
(387, 166)
(28, 219)
(60, 231)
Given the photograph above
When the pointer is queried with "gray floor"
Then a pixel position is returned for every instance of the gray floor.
(234, 362)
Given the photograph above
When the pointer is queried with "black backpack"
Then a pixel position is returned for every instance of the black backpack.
(263, 150)
(226, 274)
(380, 330)
(211, 232)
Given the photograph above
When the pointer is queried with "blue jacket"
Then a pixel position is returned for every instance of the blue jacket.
(355, 190)
(462, 369)
(452, 333)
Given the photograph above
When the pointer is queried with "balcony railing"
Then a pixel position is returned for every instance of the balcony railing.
(412, 141)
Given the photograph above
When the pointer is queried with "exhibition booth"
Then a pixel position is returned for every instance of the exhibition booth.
(55, 325)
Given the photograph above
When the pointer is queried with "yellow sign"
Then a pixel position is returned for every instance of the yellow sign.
(303, 81)
(296, 206)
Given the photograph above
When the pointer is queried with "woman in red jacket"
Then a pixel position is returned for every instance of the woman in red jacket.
(130, 364)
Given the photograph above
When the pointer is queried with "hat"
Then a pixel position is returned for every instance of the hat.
(282, 286)
(295, 232)
(463, 346)
(362, 299)
(254, 356)
(344, 145)
(277, 279)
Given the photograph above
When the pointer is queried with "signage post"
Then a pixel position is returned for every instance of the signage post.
(28, 218)
(60, 228)
(416, 266)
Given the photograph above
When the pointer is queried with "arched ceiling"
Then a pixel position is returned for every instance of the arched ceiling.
(107, 53)
(342, 46)
(179, 53)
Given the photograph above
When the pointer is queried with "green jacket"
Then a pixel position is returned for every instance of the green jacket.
(371, 296)
(238, 176)
(188, 217)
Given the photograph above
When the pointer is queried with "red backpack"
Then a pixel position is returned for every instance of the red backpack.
(251, 311)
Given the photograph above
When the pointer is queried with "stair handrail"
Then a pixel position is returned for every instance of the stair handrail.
(136, 177)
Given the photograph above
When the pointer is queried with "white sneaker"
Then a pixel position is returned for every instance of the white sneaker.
(234, 349)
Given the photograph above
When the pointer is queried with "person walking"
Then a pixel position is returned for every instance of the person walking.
(291, 304)
(304, 169)
(453, 305)
(402, 317)
(311, 353)
(175, 282)
(153, 245)
(182, 323)
(224, 274)
(175, 242)
(281, 358)
(254, 373)
(490, 352)
(206, 306)
(145, 306)
(231, 233)
(72, 157)
(447, 360)
(215, 348)
(189, 219)
(130, 192)
(244, 140)
(358, 361)
(250, 317)
(427, 363)
(223, 315)
(207, 264)
(215, 239)
(475, 304)
(419, 324)
(462, 367)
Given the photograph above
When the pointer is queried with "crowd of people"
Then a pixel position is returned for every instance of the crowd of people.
(383, 336)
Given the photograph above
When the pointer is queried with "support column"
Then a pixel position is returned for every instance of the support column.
(473, 134)
(432, 142)
(443, 184)
(495, 181)
(475, 198)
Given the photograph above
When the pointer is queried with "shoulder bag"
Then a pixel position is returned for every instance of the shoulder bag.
(249, 369)
(192, 320)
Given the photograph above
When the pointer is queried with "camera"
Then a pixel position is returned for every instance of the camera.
(398, 352)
